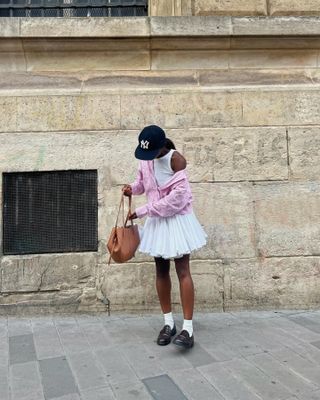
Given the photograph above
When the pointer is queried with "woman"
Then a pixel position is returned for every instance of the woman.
(171, 230)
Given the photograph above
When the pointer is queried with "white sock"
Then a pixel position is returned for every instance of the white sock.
(187, 326)
(168, 319)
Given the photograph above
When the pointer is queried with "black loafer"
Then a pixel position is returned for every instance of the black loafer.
(165, 335)
(184, 340)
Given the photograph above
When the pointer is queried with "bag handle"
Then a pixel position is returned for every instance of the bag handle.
(124, 221)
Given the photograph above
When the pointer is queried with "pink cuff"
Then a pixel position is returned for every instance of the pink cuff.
(142, 211)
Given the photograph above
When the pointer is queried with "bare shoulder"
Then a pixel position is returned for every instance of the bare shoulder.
(178, 162)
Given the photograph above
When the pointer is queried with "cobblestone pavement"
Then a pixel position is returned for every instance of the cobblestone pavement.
(237, 356)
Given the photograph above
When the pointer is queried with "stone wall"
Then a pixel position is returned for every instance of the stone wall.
(233, 7)
(241, 99)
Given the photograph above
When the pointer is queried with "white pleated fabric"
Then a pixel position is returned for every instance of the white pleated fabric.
(171, 237)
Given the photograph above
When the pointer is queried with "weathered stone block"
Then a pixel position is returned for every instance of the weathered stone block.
(226, 213)
(208, 284)
(272, 283)
(12, 62)
(85, 27)
(304, 152)
(190, 26)
(275, 26)
(233, 154)
(230, 7)
(44, 303)
(281, 107)
(162, 8)
(287, 216)
(9, 27)
(8, 120)
(274, 59)
(52, 113)
(259, 77)
(88, 61)
(294, 7)
(166, 60)
(138, 80)
(281, 42)
(190, 43)
(132, 286)
(177, 110)
(45, 272)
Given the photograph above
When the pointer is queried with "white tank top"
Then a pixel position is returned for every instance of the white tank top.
(162, 168)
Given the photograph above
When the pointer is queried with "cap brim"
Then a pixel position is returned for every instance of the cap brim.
(142, 154)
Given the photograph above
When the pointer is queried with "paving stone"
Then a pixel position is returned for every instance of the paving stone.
(198, 356)
(295, 330)
(239, 343)
(247, 356)
(115, 366)
(308, 351)
(279, 372)
(228, 385)
(117, 331)
(313, 396)
(169, 358)
(17, 327)
(142, 360)
(46, 339)
(104, 393)
(95, 334)
(306, 322)
(4, 347)
(265, 338)
(25, 382)
(194, 385)
(131, 392)
(21, 349)
(298, 364)
(162, 388)
(72, 338)
(4, 382)
(317, 344)
(261, 384)
(57, 378)
(72, 396)
(86, 370)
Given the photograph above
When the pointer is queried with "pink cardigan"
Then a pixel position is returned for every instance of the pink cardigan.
(163, 201)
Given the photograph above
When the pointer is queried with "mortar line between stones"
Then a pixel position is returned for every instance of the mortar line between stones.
(288, 152)
(268, 7)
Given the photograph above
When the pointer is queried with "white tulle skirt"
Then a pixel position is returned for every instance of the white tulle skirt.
(171, 237)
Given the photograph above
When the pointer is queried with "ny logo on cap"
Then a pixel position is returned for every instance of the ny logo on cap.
(144, 144)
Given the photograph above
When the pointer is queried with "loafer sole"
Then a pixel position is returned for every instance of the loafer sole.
(183, 345)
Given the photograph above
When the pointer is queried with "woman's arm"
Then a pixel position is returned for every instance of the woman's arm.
(137, 186)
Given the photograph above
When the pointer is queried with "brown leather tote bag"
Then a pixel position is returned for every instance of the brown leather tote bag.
(124, 240)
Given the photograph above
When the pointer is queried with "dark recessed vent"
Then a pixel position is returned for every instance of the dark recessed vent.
(73, 8)
(50, 212)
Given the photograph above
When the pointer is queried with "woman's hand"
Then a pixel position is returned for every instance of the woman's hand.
(133, 216)
(127, 190)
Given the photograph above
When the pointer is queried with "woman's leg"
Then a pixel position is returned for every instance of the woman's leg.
(186, 338)
(163, 283)
(186, 285)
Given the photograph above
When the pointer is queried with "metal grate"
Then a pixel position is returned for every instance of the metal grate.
(50, 212)
(73, 8)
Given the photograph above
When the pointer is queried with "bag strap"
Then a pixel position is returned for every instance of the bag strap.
(121, 205)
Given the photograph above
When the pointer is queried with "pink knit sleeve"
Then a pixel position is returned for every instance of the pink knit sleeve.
(137, 186)
(172, 204)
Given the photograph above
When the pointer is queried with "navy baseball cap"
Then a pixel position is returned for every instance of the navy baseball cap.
(151, 140)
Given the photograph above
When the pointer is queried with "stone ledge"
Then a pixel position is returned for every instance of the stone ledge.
(198, 26)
